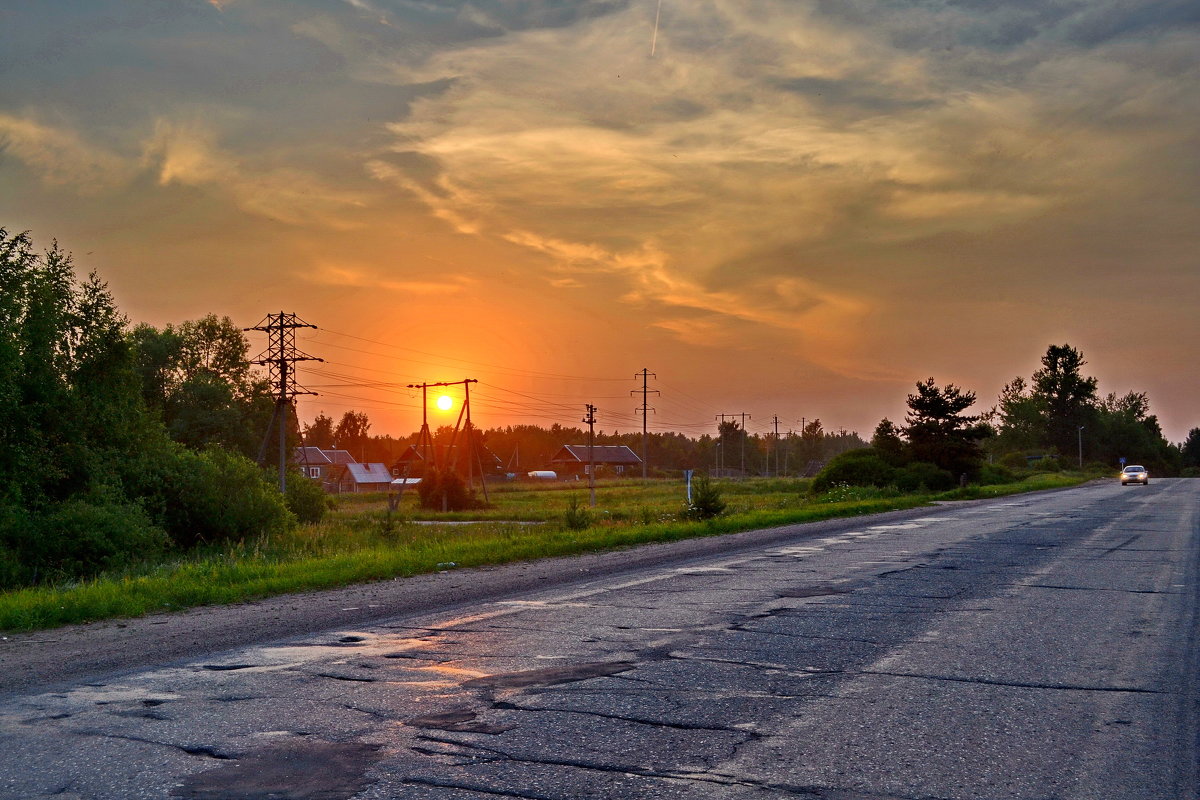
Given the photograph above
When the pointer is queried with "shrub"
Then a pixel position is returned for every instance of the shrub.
(305, 498)
(76, 539)
(863, 467)
(1013, 461)
(212, 496)
(706, 500)
(923, 475)
(993, 474)
(445, 489)
(576, 518)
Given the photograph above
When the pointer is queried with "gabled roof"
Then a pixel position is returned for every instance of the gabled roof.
(311, 455)
(369, 473)
(316, 456)
(340, 456)
(601, 454)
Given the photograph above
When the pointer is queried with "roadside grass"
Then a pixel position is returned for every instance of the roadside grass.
(360, 542)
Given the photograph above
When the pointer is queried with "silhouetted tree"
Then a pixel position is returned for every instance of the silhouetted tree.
(939, 433)
(320, 432)
(1064, 396)
(888, 442)
(1190, 449)
(352, 432)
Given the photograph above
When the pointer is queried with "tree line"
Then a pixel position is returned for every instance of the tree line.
(1055, 419)
(118, 444)
(521, 448)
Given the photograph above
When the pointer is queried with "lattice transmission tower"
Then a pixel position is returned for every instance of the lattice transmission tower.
(280, 357)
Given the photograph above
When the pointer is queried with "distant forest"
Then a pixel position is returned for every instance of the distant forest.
(521, 448)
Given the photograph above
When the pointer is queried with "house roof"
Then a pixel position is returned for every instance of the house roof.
(601, 454)
(317, 456)
(369, 473)
(310, 455)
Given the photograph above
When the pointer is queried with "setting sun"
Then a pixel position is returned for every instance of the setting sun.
(445, 403)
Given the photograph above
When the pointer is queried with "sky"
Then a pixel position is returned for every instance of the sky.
(791, 209)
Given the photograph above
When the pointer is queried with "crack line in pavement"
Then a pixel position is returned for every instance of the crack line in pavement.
(1092, 588)
(692, 777)
(681, 726)
(193, 750)
(1014, 684)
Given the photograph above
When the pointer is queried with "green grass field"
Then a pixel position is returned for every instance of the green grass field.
(359, 541)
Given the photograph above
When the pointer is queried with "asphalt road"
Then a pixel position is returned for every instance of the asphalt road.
(1041, 646)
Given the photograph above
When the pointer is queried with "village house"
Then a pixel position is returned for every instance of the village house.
(572, 459)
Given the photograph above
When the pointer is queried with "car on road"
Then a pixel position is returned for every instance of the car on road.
(1135, 475)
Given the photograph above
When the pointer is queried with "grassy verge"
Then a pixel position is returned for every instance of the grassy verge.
(359, 544)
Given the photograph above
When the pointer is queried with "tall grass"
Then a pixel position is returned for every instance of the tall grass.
(360, 542)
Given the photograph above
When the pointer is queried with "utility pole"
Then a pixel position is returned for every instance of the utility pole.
(775, 444)
(721, 440)
(425, 439)
(590, 419)
(744, 417)
(469, 432)
(645, 409)
(280, 356)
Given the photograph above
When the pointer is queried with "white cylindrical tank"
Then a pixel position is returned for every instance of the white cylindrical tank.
(543, 475)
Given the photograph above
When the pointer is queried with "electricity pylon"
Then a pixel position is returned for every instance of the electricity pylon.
(279, 357)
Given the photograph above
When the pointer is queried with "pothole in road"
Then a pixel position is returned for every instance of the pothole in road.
(308, 770)
(461, 720)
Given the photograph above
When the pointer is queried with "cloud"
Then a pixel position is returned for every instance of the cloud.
(751, 139)
(61, 157)
(187, 154)
(346, 275)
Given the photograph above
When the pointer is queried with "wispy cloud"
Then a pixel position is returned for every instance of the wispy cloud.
(370, 277)
(61, 156)
(188, 154)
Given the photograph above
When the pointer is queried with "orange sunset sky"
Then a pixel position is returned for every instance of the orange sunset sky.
(786, 208)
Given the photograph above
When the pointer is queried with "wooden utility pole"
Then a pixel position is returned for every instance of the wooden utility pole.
(645, 409)
(425, 439)
(775, 445)
(744, 416)
(590, 419)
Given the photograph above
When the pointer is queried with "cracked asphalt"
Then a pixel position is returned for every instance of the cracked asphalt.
(1041, 646)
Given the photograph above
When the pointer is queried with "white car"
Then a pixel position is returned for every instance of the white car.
(1135, 475)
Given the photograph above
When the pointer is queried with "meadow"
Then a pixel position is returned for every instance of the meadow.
(361, 541)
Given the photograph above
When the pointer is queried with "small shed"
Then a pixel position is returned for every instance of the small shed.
(355, 478)
(573, 458)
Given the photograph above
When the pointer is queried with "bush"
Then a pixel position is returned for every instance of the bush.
(1013, 461)
(923, 475)
(576, 518)
(863, 467)
(706, 500)
(993, 474)
(77, 539)
(212, 496)
(305, 498)
(444, 489)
